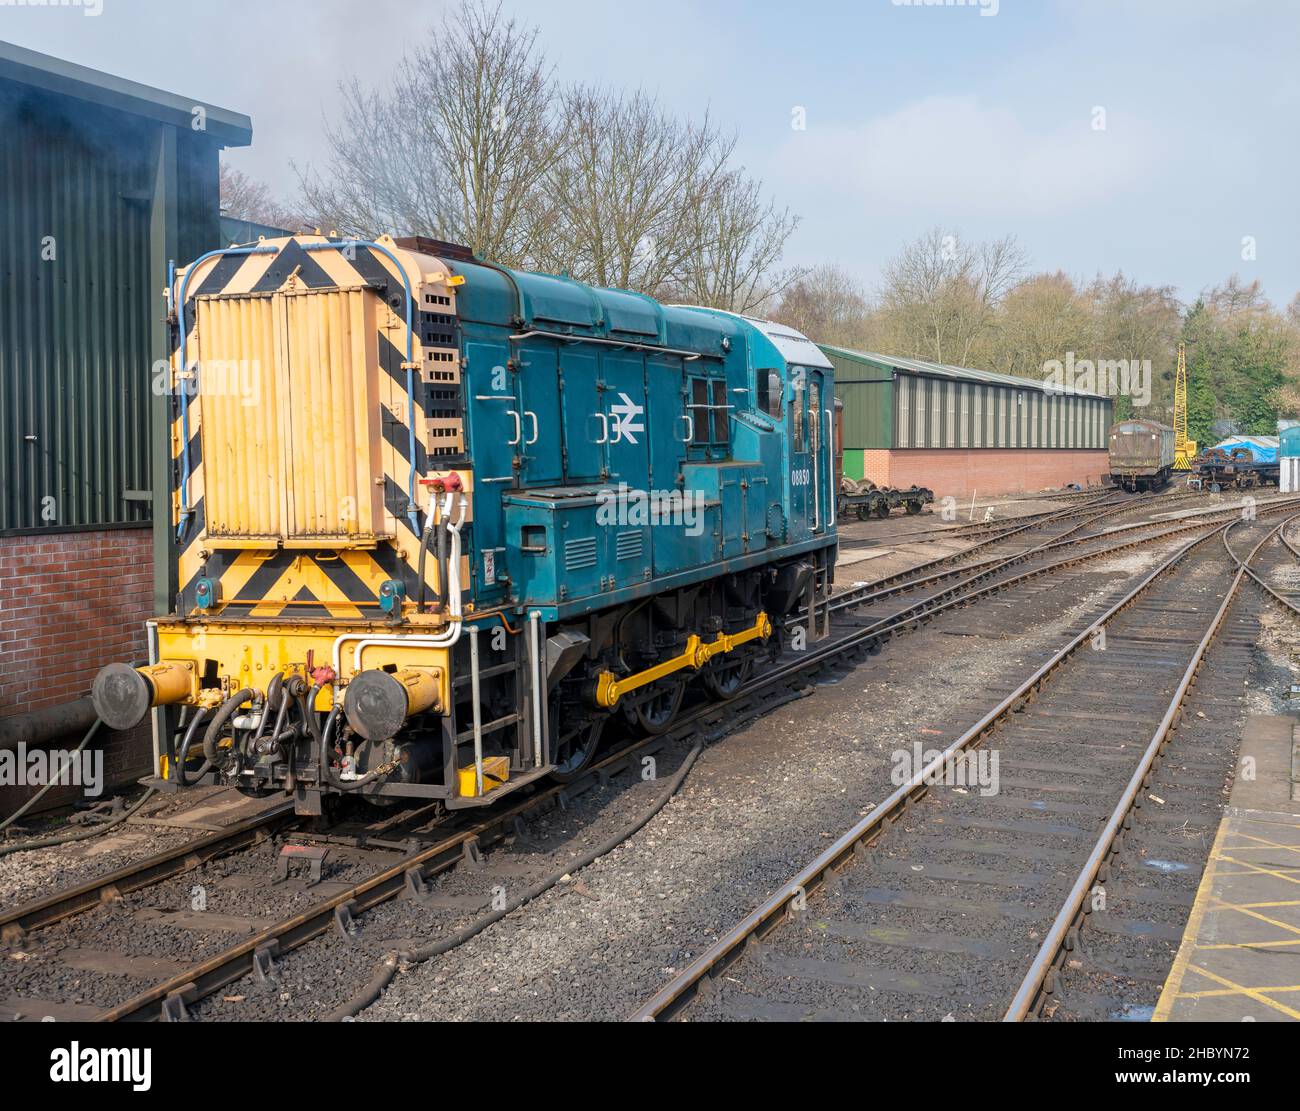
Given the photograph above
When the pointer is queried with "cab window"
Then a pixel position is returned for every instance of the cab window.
(710, 412)
(769, 393)
(798, 411)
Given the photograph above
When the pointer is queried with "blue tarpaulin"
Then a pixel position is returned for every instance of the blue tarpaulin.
(1263, 447)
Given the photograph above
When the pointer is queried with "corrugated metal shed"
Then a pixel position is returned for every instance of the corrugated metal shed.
(889, 363)
(867, 391)
(892, 402)
(102, 182)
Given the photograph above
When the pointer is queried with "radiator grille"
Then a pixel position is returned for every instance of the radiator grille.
(580, 554)
(629, 545)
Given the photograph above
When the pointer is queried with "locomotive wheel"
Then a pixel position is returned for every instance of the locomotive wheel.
(913, 508)
(658, 712)
(864, 512)
(882, 509)
(722, 679)
(573, 749)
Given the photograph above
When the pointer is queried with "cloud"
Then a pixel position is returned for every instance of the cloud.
(965, 160)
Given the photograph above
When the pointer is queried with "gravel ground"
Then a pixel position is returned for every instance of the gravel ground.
(181, 920)
(38, 872)
(753, 810)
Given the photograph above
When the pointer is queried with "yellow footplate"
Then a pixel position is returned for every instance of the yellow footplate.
(496, 770)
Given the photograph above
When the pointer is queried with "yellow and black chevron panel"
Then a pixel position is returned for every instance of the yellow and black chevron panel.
(295, 455)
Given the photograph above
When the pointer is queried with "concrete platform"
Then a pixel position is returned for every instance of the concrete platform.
(1240, 956)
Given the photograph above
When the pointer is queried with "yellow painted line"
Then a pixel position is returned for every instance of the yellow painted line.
(1264, 841)
(1252, 871)
(1256, 870)
(1284, 926)
(1247, 945)
(1251, 993)
(1174, 982)
(1225, 992)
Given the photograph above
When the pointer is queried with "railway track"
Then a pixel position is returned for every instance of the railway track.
(891, 600)
(993, 530)
(1113, 958)
(1078, 505)
(1049, 534)
(946, 901)
(377, 878)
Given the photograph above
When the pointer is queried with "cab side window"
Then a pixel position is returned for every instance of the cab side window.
(769, 392)
(710, 413)
(798, 411)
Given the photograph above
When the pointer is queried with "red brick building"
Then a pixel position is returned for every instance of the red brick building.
(963, 432)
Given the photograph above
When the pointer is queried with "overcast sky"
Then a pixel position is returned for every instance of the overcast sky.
(916, 116)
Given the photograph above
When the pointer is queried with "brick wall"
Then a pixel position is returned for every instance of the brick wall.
(70, 603)
(875, 467)
(961, 473)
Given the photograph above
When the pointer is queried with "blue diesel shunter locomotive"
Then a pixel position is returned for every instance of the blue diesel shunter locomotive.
(462, 517)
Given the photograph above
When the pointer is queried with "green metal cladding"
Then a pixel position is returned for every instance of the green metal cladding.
(101, 181)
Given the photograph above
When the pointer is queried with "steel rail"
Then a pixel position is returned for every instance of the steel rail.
(1127, 503)
(1040, 980)
(993, 533)
(875, 591)
(900, 581)
(676, 994)
(951, 596)
(169, 998)
(46, 910)
(1004, 527)
(1277, 596)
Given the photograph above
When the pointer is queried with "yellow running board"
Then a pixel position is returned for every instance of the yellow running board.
(610, 689)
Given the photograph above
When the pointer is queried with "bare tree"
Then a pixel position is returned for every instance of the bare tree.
(739, 238)
(624, 190)
(1234, 300)
(1041, 318)
(828, 305)
(941, 294)
(474, 143)
(457, 148)
(246, 198)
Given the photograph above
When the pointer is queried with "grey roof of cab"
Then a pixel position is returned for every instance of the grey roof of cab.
(793, 345)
